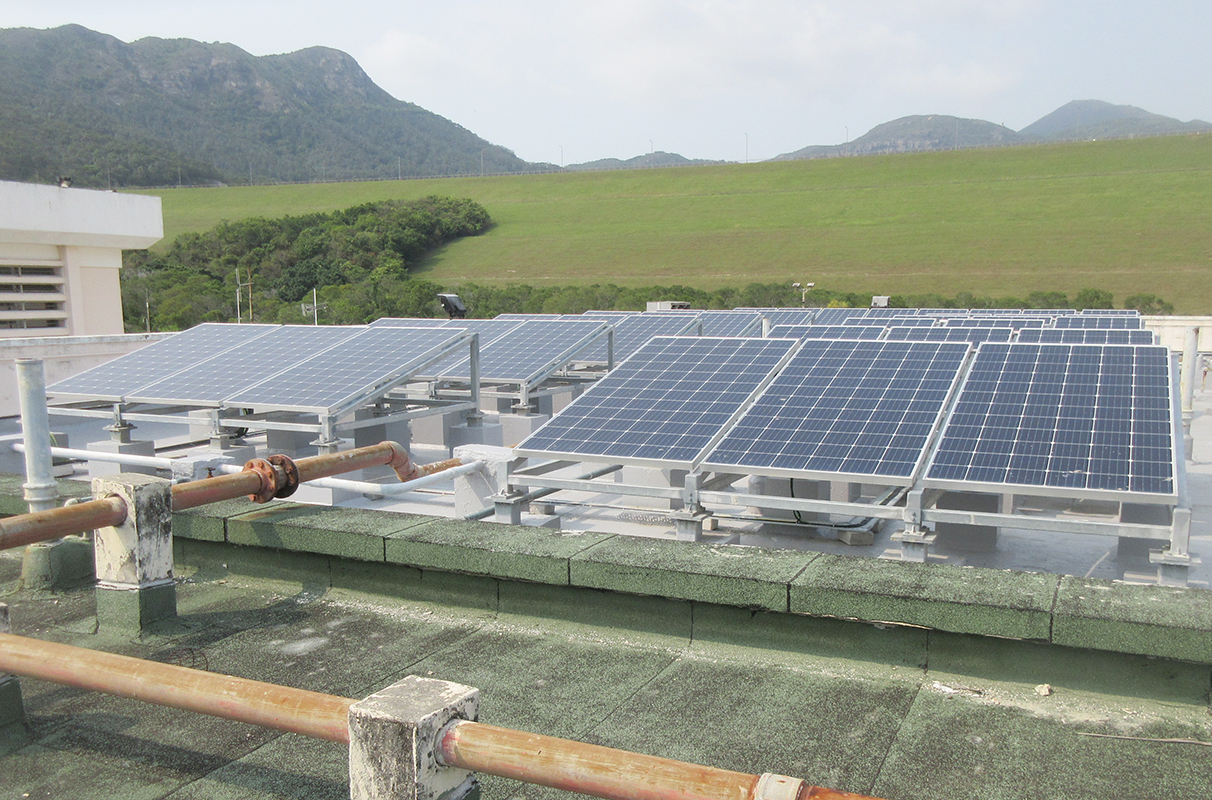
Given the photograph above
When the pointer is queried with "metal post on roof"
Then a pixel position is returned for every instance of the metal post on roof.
(40, 489)
(473, 377)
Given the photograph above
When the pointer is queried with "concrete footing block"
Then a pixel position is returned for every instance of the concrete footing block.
(58, 566)
(489, 433)
(98, 468)
(393, 741)
(14, 731)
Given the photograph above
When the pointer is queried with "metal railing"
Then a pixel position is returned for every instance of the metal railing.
(542, 760)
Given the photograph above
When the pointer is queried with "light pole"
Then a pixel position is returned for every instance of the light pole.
(804, 289)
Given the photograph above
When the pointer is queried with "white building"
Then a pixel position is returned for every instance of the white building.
(60, 252)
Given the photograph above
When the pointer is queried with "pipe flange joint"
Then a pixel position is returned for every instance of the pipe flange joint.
(269, 480)
(290, 473)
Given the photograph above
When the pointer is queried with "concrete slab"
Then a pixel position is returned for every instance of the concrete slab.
(946, 597)
(1129, 618)
(949, 747)
(486, 548)
(345, 532)
(728, 574)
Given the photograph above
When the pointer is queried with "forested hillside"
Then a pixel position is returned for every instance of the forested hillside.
(358, 258)
(74, 102)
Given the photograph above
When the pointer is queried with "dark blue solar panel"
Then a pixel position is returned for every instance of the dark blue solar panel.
(916, 322)
(855, 408)
(116, 379)
(666, 403)
(1094, 417)
(731, 323)
(952, 333)
(826, 331)
(1087, 336)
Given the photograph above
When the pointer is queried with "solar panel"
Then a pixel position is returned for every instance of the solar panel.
(633, 331)
(952, 333)
(916, 322)
(804, 316)
(525, 317)
(524, 352)
(333, 378)
(1071, 418)
(1017, 323)
(115, 379)
(1107, 321)
(210, 381)
(409, 322)
(827, 331)
(731, 323)
(665, 405)
(1087, 336)
(846, 408)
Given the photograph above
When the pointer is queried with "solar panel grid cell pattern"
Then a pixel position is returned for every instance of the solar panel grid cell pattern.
(916, 322)
(808, 316)
(222, 375)
(866, 332)
(1107, 321)
(731, 323)
(343, 371)
(1086, 336)
(408, 322)
(524, 350)
(1067, 416)
(1017, 323)
(159, 360)
(666, 403)
(863, 408)
(949, 334)
(634, 331)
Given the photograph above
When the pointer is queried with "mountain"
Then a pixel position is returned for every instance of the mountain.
(658, 158)
(1094, 119)
(157, 111)
(915, 133)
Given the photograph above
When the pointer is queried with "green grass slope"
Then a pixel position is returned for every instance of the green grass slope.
(1124, 216)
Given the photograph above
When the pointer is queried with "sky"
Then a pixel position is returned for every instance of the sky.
(569, 82)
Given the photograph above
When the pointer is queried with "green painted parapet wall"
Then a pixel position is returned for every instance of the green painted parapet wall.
(479, 563)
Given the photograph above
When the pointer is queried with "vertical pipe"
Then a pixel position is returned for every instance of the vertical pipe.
(41, 491)
(473, 376)
(1190, 356)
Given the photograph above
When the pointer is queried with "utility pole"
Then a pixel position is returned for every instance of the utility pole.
(313, 307)
(147, 306)
(239, 286)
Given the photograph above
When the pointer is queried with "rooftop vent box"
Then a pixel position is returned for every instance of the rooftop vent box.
(669, 305)
(880, 301)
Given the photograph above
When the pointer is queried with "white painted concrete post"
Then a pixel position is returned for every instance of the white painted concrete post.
(41, 490)
(135, 559)
(394, 736)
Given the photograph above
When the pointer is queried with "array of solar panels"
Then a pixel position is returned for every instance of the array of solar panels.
(1086, 419)
(287, 367)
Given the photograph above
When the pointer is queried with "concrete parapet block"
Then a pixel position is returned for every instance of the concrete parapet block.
(516, 427)
(135, 559)
(14, 731)
(394, 736)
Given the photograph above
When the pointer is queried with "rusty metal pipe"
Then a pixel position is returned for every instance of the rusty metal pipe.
(606, 772)
(45, 525)
(321, 716)
(42, 526)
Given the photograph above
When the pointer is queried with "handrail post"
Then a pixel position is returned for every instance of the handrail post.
(135, 588)
(14, 732)
(394, 740)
